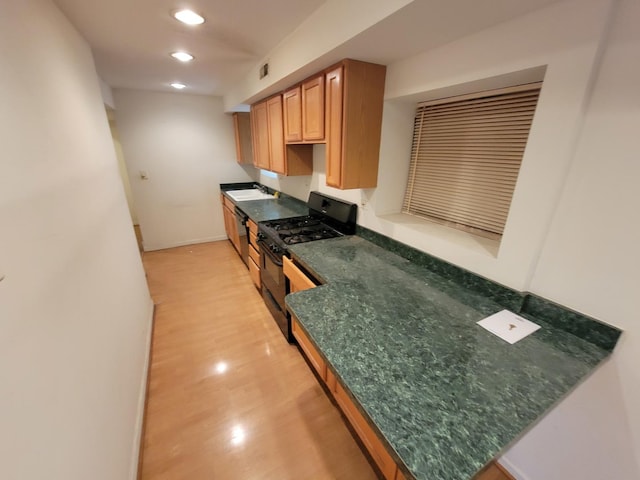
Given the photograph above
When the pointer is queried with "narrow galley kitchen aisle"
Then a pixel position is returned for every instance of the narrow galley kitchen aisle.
(228, 397)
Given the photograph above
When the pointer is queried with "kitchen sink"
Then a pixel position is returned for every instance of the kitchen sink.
(250, 194)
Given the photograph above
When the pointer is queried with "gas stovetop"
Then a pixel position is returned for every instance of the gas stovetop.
(328, 218)
(300, 230)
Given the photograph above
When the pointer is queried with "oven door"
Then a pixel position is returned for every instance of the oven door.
(274, 286)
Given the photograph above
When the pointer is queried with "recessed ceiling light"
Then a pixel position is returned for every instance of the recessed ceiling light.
(182, 56)
(189, 17)
(178, 85)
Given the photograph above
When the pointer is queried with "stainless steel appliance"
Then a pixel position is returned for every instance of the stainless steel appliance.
(243, 234)
(328, 217)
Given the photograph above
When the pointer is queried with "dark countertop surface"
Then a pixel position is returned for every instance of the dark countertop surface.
(262, 210)
(446, 395)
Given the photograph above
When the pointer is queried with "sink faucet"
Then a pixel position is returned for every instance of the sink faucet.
(262, 188)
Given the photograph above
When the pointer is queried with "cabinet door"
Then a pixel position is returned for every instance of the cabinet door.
(292, 115)
(276, 136)
(313, 109)
(298, 281)
(242, 131)
(369, 438)
(231, 227)
(307, 347)
(260, 124)
(333, 112)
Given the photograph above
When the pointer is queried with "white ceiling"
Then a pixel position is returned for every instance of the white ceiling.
(132, 39)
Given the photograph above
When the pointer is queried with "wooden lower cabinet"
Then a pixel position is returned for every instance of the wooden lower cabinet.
(367, 435)
(230, 226)
(400, 475)
(493, 471)
(254, 269)
(254, 254)
(310, 351)
(298, 281)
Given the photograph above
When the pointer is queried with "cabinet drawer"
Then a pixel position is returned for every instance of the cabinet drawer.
(255, 256)
(297, 279)
(253, 227)
(365, 432)
(400, 475)
(229, 204)
(254, 273)
(307, 347)
(253, 240)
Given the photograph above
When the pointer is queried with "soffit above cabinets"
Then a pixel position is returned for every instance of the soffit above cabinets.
(132, 40)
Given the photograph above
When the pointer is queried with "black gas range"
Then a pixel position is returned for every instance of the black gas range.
(328, 218)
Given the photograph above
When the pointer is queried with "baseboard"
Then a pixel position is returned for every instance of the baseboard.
(136, 463)
(151, 248)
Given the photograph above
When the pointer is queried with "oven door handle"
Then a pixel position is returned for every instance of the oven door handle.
(267, 251)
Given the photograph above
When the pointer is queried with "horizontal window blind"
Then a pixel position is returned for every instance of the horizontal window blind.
(466, 155)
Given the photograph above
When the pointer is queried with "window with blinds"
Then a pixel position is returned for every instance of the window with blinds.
(466, 155)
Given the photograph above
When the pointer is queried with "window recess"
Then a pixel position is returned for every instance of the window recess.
(466, 155)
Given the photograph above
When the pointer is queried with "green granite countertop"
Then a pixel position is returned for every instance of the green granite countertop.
(283, 207)
(446, 395)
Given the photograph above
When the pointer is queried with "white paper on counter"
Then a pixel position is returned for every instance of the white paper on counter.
(508, 326)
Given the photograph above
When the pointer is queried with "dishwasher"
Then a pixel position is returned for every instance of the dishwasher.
(243, 234)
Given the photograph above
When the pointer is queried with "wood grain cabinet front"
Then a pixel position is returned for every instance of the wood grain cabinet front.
(315, 359)
(244, 143)
(253, 235)
(354, 93)
(270, 151)
(260, 135)
(304, 112)
(230, 225)
(298, 281)
(370, 440)
(292, 102)
(313, 109)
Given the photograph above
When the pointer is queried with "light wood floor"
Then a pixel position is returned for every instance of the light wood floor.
(228, 397)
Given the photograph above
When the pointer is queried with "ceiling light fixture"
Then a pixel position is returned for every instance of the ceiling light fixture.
(178, 85)
(182, 56)
(189, 17)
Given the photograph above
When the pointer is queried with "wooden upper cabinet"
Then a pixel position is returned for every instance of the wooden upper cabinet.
(341, 106)
(313, 109)
(260, 134)
(276, 135)
(292, 100)
(304, 112)
(354, 96)
(242, 131)
(333, 113)
(269, 149)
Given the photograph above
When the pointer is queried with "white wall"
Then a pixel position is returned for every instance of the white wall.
(185, 144)
(303, 52)
(74, 306)
(122, 166)
(590, 260)
(533, 40)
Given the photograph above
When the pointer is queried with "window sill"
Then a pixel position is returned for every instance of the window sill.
(436, 239)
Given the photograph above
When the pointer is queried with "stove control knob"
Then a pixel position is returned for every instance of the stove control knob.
(260, 236)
